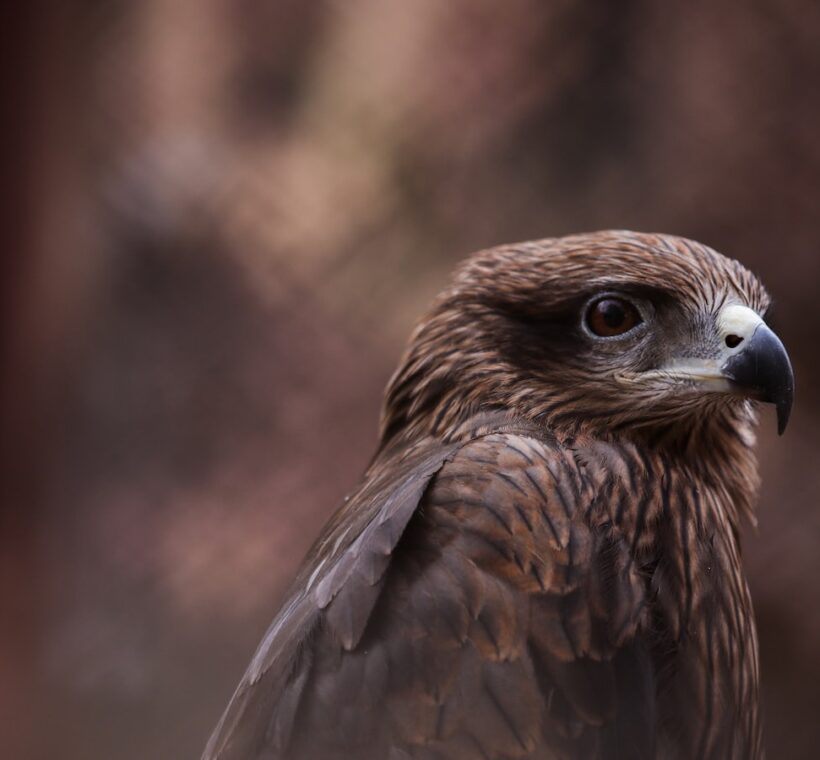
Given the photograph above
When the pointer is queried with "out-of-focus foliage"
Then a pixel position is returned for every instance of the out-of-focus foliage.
(239, 210)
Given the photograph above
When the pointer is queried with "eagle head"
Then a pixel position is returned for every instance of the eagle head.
(607, 333)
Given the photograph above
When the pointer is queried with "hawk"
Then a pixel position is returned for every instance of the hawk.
(543, 559)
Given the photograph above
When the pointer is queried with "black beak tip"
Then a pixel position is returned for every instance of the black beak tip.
(784, 409)
(780, 391)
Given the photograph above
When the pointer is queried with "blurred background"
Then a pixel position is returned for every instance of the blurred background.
(221, 219)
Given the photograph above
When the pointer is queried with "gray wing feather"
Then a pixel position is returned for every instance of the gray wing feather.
(339, 583)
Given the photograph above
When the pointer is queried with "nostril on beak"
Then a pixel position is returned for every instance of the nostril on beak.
(733, 341)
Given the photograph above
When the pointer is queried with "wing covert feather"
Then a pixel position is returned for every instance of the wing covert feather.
(473, 600)
(335, 588)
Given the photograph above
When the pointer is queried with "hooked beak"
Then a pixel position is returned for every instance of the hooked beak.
(751, 362)
(761, 370)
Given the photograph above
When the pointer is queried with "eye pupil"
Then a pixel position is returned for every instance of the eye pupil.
(609, 316)
(613, 314)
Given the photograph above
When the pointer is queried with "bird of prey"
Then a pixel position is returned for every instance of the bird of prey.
(543, 559)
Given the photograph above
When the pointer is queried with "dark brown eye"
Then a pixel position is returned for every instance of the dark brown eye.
(610, 316)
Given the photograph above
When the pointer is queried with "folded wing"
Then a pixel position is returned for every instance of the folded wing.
(471, 600)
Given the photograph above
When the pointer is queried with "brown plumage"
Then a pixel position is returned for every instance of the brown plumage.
(543, 560)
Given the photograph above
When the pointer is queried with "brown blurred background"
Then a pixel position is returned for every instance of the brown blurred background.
(221, 219)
